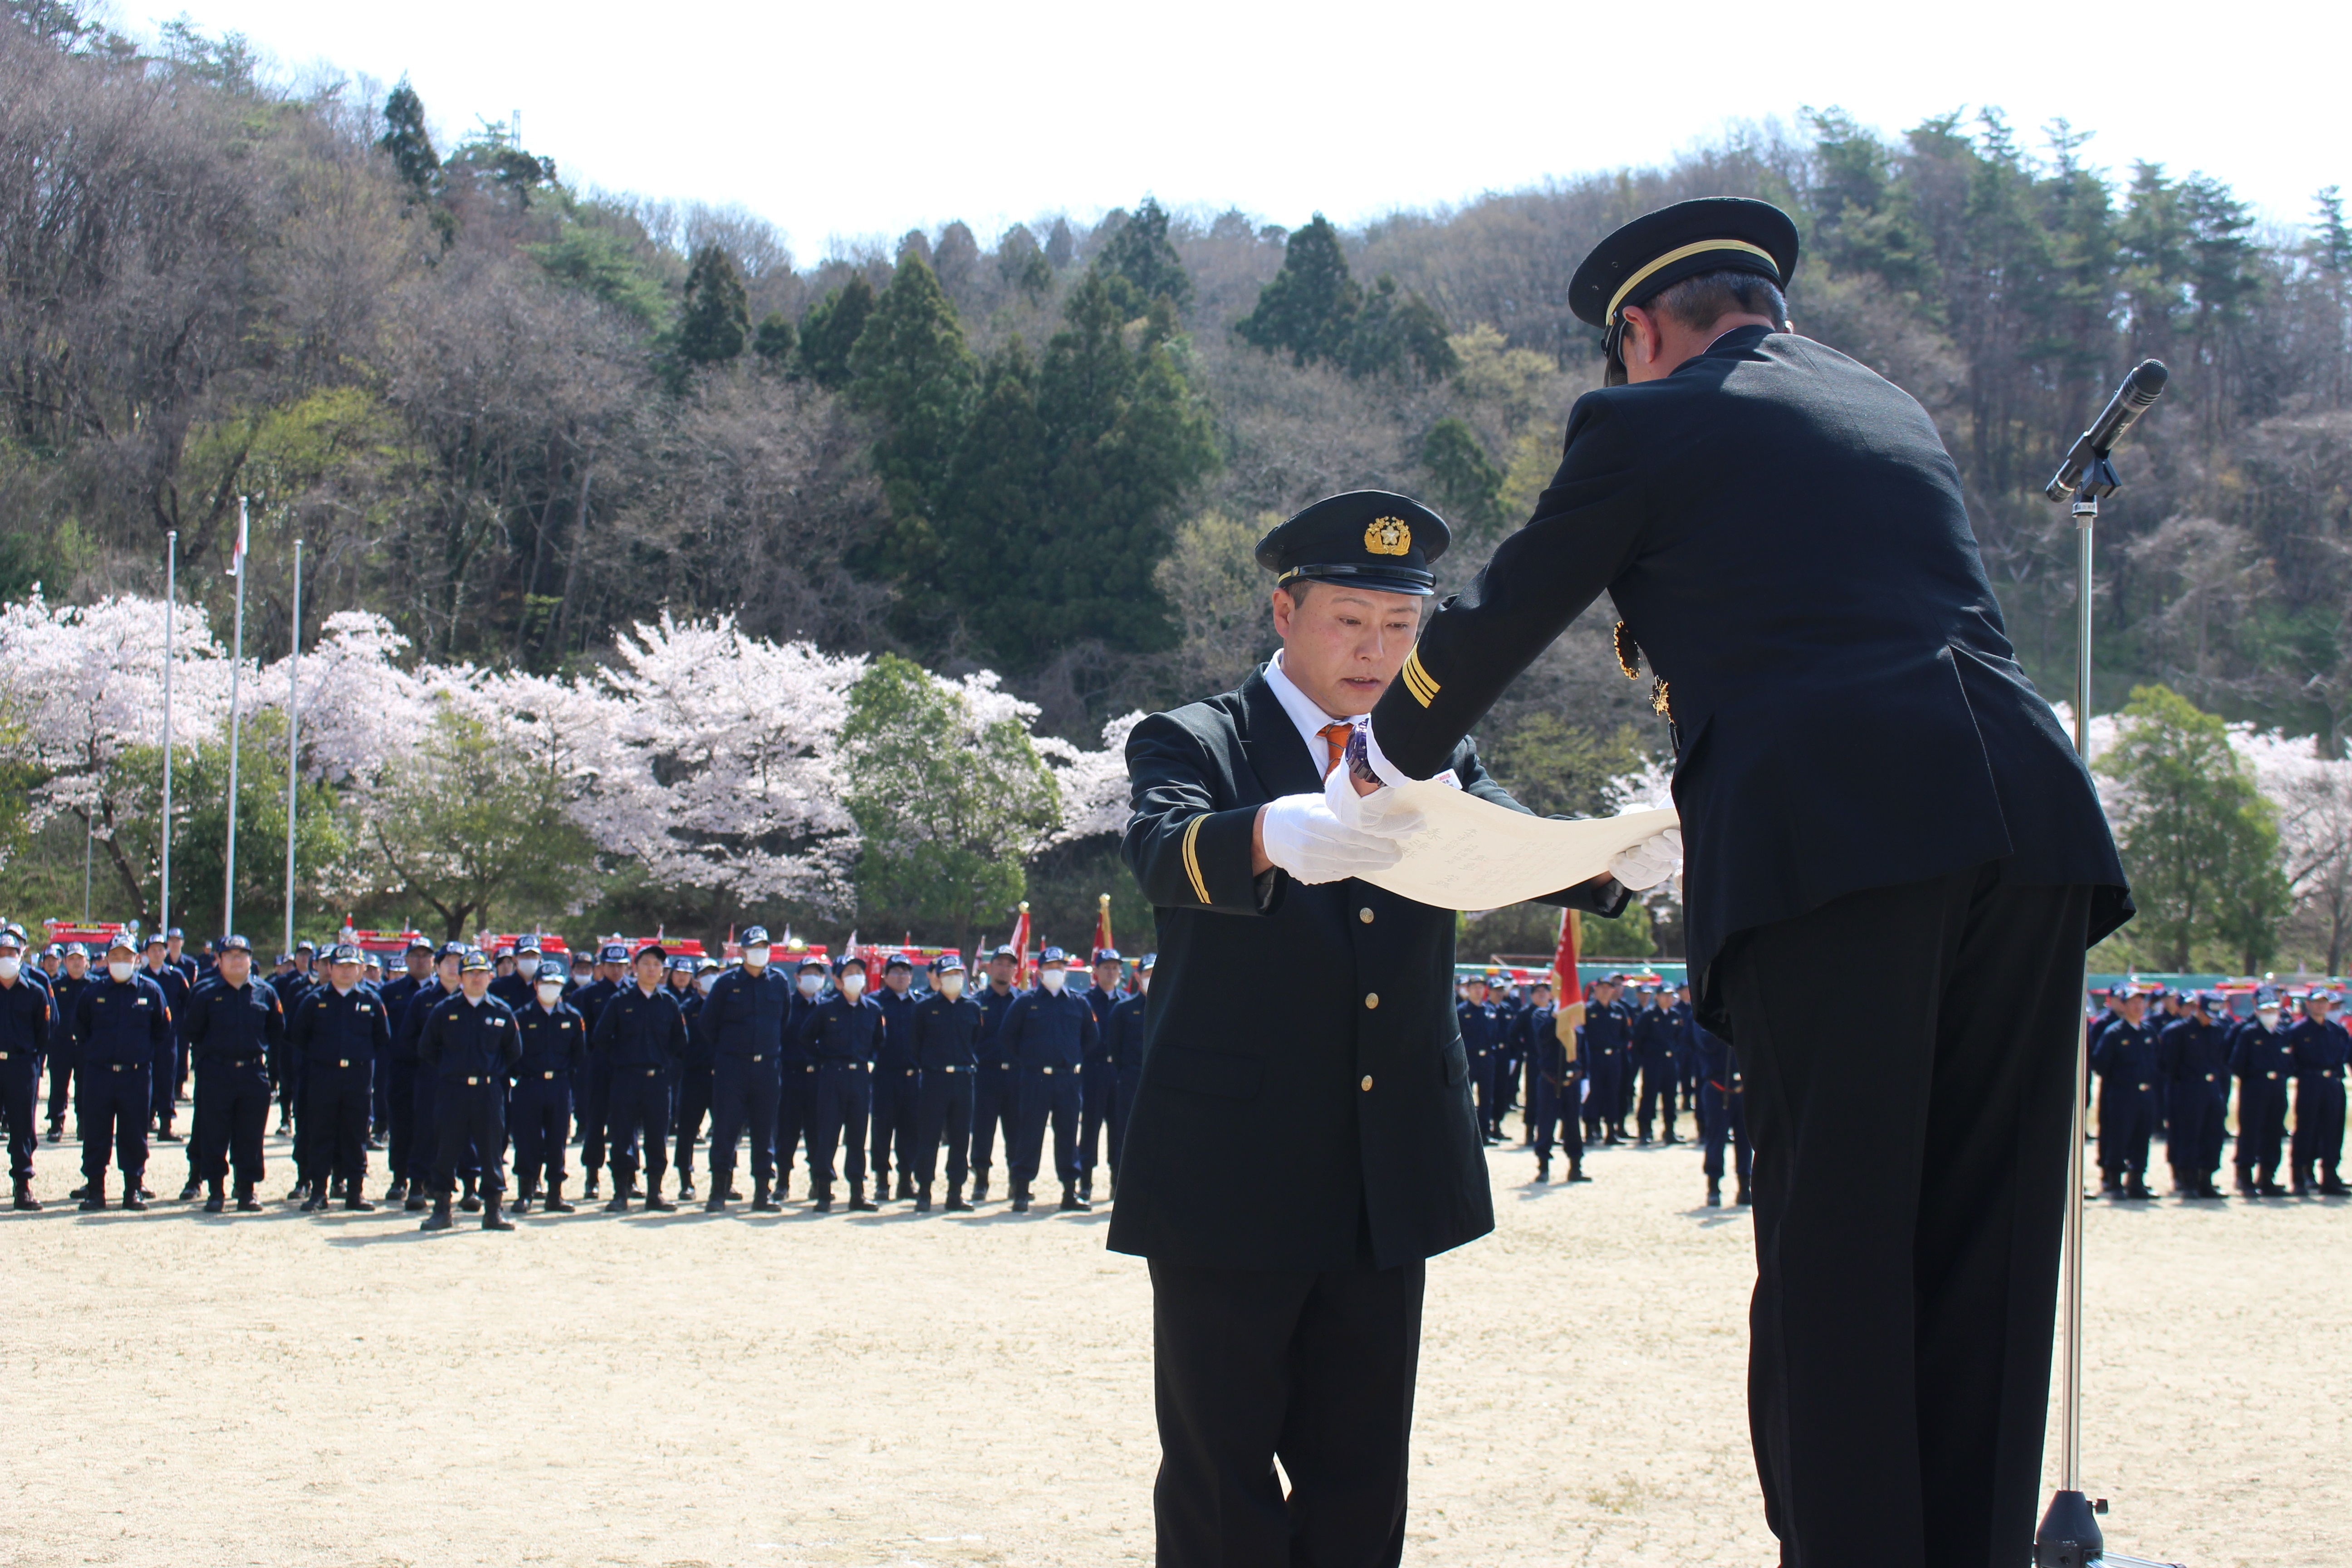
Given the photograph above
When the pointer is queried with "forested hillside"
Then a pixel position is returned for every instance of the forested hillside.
(516, 416)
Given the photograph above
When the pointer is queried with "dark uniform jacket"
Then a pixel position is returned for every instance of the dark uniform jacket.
(1123, 1035)
(992, 1009)
(407, 1038)
(65, 997)
(2317, 1046)
(743, 1017)
(638, 1030)
(2261, 1056)
(1046, 1029)
(1104, 1002)
(1301, 1039)
(234, 1024)
(2124, 1056)
(465, 1040)
(1785, 536)
(898, 1050)
(945, 1033)
(554, 1040)
(24, 1021)
(2194, 1059)
(120, 1021)
(1481, 1029)
(336, 1032)
(840, 1030)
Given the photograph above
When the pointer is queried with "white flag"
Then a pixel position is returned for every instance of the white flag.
(237, 554)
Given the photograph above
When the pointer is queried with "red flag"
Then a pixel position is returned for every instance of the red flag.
(1021, 947)
(1102, 925)
(1565, 986)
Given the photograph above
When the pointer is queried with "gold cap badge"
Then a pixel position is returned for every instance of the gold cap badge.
(1388, 536)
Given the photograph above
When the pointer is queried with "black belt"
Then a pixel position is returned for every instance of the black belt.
(934, 1070)
(139, 1067)
(1046, 1070)
(560, 1072)
(476, 1082)
(759, 1058)
(652, 1072)
(252, 1061)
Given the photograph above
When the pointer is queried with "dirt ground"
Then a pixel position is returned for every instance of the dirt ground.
(285, 1389)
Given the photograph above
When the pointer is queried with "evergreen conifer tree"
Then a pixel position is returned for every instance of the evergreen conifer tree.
(911, 367)
(717, 320)
(1465, 480)
(776, 338)
(410, 144)
(831, 330)
(1309, 307)
(1141, 258)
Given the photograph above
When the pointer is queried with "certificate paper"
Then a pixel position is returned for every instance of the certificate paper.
(1470, 854)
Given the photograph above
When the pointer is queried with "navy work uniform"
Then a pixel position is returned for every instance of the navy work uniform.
(795, 1128)
(1482, 1039)
(2320, 1048)
(694, 1074)
(120, 1029)
(996, 1091)
(24, 1038)
(1098, 1075)
(442, 985)
(2125, 1058)
(1723, 1115)
(340, 1035)
(64, 1000)
(470, 1047)
(396, 1075)
(554, 1054)
(1048, 1033)
(1608, 1059)
(641, 1037)
(843, 1035)
(591, 1106)
(946, 1032)
(1552, 1082)
(742, 1024)
(1130, 1024)
(166, 1086)
(2193, 1062)
(897, 1083)
(1655, 1041)
(232, 1031)
(2261, 1062)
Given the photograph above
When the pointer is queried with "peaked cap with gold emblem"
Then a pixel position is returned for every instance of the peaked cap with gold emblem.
(1370, 538)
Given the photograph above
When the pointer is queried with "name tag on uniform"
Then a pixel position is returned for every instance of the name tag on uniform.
(365, 1009)
(494, 1020)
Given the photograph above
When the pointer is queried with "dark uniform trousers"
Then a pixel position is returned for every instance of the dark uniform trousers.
(1046, 1092)
(1659, 1089)
(163, 1080)
(595, 1109)
(696, 1086)
(845, 1097)
(2126, 1122)
(898, 1101)
(20, 1108)
(398, 1075)
(540, 1111)
(1097, 1088)
(111, 1110)
(1899, 1371)
(335, 1107)
(1485, 1080)
(2318, 1146)
(232, 1116)
(1315, 1366)
(1122, 1106)
(1551, 1107)
(2194, 1131)
(61, 1077)
(1723, 1117)
(1601, 1096)
(471, 1131)
(943, 1109)
(797, 1117)
(995, 1106)
(429, 1089)
(744, 1094)
(637, 1120)
(2261, 1124)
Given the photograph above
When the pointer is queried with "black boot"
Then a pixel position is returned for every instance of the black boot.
(858, 1204)
(317, 1198)
(472, 1202)
(1715, 1191)
(1543, 1170)
(922, 1200)
(1020, 1197)
(979, 1189)
(764, 1197)
(1740, 1197)
(491, 1219)
(134, 1197)
(246, 1202)
(397, 1192)
(439, 1218)
(955, 1204)
(191, 1190)
(824, 1203)
(526, 1189)
(620, 1199)
(418, 1199)
(26, 1202)
(2136, 1189)
(588, 1189)
(655, 1202)
(1072, 1203)
(217, 1200)
(2331, 1186)
(906, 1186)
(717, 1202)
(555, 1204)
(355, 1199)
(685, 1185)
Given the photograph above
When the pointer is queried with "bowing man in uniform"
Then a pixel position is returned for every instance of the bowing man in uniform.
(1866, 776)
(1291, 1163)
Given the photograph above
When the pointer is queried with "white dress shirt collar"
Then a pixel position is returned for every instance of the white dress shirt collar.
(1305, 713)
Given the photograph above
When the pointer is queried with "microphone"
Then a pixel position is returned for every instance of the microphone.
(2138, 392)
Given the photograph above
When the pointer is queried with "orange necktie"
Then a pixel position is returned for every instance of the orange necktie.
(1335, 736)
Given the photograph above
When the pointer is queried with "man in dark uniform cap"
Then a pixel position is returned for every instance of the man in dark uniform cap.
(1866, 776)
(470, 1046)
(1288, 1166)
(235, 1021)
(946, 1024)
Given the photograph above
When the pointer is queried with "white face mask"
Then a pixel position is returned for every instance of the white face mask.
(703, 983)
(1053, 980)
(550, 992)
(851, 984)
(755, 959)
(812, 983)
(2268, 1016)
(951, 984)
(121, 971)
(10, 966)
(1143, 984)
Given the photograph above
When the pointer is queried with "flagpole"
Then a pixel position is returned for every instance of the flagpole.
(171, 613)
(235, 668)
(293, 736)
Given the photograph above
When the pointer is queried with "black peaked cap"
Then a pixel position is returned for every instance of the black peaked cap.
(1373, 539)
(1659, 250)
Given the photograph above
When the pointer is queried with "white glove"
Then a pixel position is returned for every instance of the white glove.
(1382, 812)
(1305, 840)
(1650, 862)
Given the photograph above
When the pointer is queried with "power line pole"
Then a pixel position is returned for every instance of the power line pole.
(236, 668)
(293, 736)
(171, 613)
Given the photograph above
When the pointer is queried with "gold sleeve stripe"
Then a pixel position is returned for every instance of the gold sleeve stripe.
(1417, 679)
(1193, 859)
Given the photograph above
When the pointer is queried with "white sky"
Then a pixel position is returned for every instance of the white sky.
(866, 119)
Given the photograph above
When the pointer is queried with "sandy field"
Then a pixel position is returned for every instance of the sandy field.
(293, 1389)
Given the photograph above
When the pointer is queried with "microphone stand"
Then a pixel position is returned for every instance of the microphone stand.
(2069, 1536)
